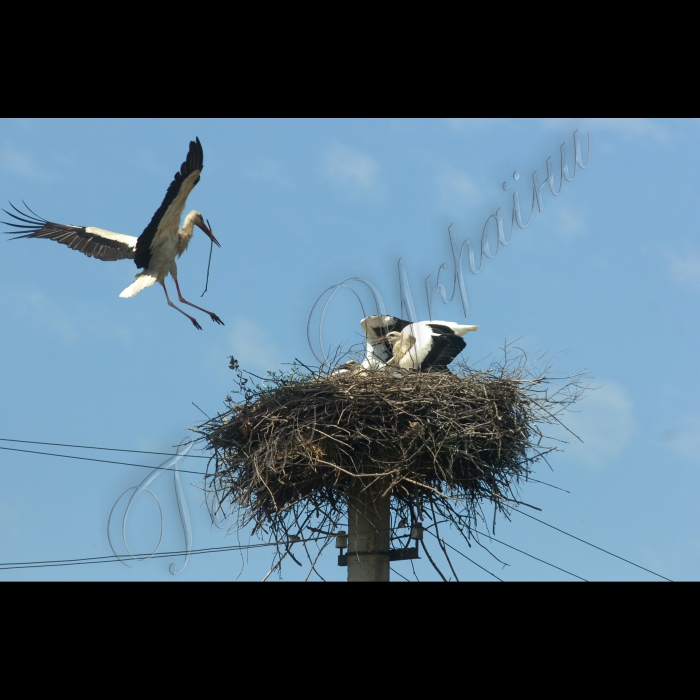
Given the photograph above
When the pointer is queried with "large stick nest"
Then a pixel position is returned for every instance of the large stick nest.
(287, 451)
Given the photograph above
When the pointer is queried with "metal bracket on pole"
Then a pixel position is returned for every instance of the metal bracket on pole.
(394, 555)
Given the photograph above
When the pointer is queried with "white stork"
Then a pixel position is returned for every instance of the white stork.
(428, 346)
(351, 366)
(377, 347)
(154, 250)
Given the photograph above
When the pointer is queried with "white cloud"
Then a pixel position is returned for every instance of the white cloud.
(629, 127)
(21, 164)
(686, 269)
(42, 310)
(253, 347)
(457, 189)
(148, 160)
(567, 224)
(686, 439)
(350, 169)
(69, 324)
(269, 171)
(605, 423)
(463, 124)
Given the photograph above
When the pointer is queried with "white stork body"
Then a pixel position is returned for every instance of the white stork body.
(166, 246)
(154, 250)
(377, 347)
(376, 329)
(427, 346)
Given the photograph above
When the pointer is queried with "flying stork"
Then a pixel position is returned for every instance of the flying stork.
(428, 346)
(154, 250)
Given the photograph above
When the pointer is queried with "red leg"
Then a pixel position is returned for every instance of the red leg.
(214, 317)
(170, 303)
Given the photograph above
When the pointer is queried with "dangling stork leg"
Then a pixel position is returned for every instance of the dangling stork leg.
(170, 303)
(214, 317)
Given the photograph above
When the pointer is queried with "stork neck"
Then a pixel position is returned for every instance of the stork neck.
(187, 230)
(185, 233)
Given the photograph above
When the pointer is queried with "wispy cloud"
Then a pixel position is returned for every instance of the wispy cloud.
(605, 423)
(351, 170)
(269, 171)
(147, 160)
(685, 270)
(685, 439)
(70, 324)
(628, 127)
(253, 347)
(465, 124)
(457, 189)
(567, 224)
(21, 164)
(41, 310)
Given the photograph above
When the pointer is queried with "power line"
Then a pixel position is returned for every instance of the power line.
(188, 471)
(110, 559)
(546, 483)
(105, 461)
(532, 556)
(399, 574)
(466, 557)
(590, 544)
(109, 449)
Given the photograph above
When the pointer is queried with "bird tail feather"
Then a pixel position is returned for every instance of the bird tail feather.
(142, 281)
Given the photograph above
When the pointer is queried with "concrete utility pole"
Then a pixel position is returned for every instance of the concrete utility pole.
(369, 520)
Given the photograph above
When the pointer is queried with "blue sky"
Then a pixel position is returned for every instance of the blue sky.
(605, 278)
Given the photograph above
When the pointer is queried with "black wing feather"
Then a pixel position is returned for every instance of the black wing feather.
(194, 161)
(76, 237)
(444, 349)
(439, 329)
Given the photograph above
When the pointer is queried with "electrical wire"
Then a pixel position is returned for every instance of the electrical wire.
(399, 574)
(532, 556)
(110, 559)
(188, 471)
(105, 461)
(109, 449)
(466, 557)
(590, 544)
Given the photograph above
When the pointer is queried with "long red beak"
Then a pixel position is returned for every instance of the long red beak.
(209, 233)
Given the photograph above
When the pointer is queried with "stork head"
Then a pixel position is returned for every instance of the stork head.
(349, 366)
(199, 221)
(392, 338)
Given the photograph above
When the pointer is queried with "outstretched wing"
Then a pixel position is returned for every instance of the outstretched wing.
(375, 327)
(93, 242)
(443, 349)
(170, 211)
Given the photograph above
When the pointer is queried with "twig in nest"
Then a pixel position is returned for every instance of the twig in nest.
(290, 448)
